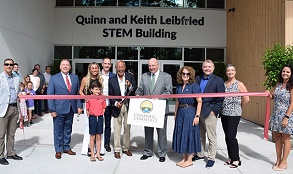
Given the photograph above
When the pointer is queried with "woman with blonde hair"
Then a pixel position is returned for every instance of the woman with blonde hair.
(93, 75)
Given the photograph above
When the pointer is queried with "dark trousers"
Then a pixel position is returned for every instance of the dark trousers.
(62, 131)
(46, 108)
(230, 124)
(38, 104)
(108, 116)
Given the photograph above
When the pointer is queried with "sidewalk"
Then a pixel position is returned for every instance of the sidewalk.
(257, 155)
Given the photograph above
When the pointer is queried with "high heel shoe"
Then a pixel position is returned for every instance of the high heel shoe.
(281, 169)
(274, 167)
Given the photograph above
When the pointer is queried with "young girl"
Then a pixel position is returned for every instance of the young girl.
(30, 103)
(95, 109)
(22, 106)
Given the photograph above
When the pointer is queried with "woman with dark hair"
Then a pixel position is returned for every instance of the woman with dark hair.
(281, 122)
(231, 113)
(186, 135)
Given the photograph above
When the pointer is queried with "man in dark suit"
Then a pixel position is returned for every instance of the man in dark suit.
(63, 111)
(106, 75)
(121, 85)
(155, 82)
(209, 83)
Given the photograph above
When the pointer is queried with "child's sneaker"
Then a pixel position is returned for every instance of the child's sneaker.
(28, 125)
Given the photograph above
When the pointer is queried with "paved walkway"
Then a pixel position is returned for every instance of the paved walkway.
(35, 145)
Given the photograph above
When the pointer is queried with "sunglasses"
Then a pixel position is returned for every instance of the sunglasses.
(185, 74)
(9, 64)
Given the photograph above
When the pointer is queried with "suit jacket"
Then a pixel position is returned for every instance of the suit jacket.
(163, 85)
(215, 84)
(4, 91)
(114, 90)
(57, 86)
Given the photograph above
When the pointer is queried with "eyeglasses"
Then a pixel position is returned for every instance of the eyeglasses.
(185, 74)
(9, 64)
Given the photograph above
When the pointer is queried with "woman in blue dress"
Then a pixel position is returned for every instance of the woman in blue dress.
(186, 135)
(281, 122)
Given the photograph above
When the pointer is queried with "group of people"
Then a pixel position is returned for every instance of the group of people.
(34, 84)
(195, 118)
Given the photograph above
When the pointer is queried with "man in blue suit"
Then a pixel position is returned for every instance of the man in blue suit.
(63, 111)
(209, 83)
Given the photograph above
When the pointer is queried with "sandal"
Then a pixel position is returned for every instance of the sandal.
(93, 159)
(232, 165)
(227, 163)
(89, 152)
(186, 165)
(100, 158)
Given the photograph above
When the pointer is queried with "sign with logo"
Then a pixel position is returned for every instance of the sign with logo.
(146, 112)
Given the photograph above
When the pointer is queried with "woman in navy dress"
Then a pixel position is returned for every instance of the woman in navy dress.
(186, 135)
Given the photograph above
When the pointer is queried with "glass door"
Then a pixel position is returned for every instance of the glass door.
(80, 67)
(170, 67)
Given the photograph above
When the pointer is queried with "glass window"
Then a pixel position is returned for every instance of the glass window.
(64, 2)
(194, 54)
(161, 53)
(128, 3)
(151, 3)
(63, 52)
(85, 52)
(85, 2)
(132, 67)
(216, 4)
(196, 67)
(215, 54)
(106, 2)
(127, 53)
(194, 3)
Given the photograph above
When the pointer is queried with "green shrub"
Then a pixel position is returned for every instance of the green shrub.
(273, 60)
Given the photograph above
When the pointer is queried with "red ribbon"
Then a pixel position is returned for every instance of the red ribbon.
(253, 94)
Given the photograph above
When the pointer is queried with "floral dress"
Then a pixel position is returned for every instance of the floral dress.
(282, 102)
(22, 106)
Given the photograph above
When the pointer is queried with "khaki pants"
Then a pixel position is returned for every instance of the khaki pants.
(117, 130)
(8, 125)
(208, 126)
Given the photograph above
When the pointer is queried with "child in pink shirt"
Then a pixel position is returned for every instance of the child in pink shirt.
(95, 109)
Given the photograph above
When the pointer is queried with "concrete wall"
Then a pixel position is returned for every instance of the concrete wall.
(26, 32)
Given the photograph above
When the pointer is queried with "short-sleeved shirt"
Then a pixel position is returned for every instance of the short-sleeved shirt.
(96, 106)
(30, 102)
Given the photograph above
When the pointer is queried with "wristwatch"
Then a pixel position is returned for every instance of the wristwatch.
(197, 116)
(286, 116)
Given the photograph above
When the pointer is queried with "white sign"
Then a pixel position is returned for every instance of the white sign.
(146, 112)
(140, 26)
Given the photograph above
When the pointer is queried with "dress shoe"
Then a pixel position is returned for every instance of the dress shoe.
(210, 163)
(58, 155)
(117, 155)
(162, 159)
(107, 147)
(128, 153)
(40, 114)
(144, 157)
(3, 161)
(15, 157)
(195, 158)
(69, 152)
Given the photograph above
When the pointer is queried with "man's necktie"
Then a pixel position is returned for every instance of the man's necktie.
(153, 82)
(68, 84)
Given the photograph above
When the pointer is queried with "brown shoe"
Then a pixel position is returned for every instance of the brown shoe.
(58, 155)
(117, 155)
(70, 152)
(127, 152)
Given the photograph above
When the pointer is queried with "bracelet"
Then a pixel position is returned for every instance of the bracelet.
(197, 116)
(286, 116)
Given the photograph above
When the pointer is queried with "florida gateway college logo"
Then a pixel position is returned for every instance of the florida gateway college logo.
(146, 106)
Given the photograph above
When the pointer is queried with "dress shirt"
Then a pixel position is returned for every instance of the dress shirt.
(12, 90)
(64, 78)
(156, 75)
(47, 77)
(203, 83)
(105, 85)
